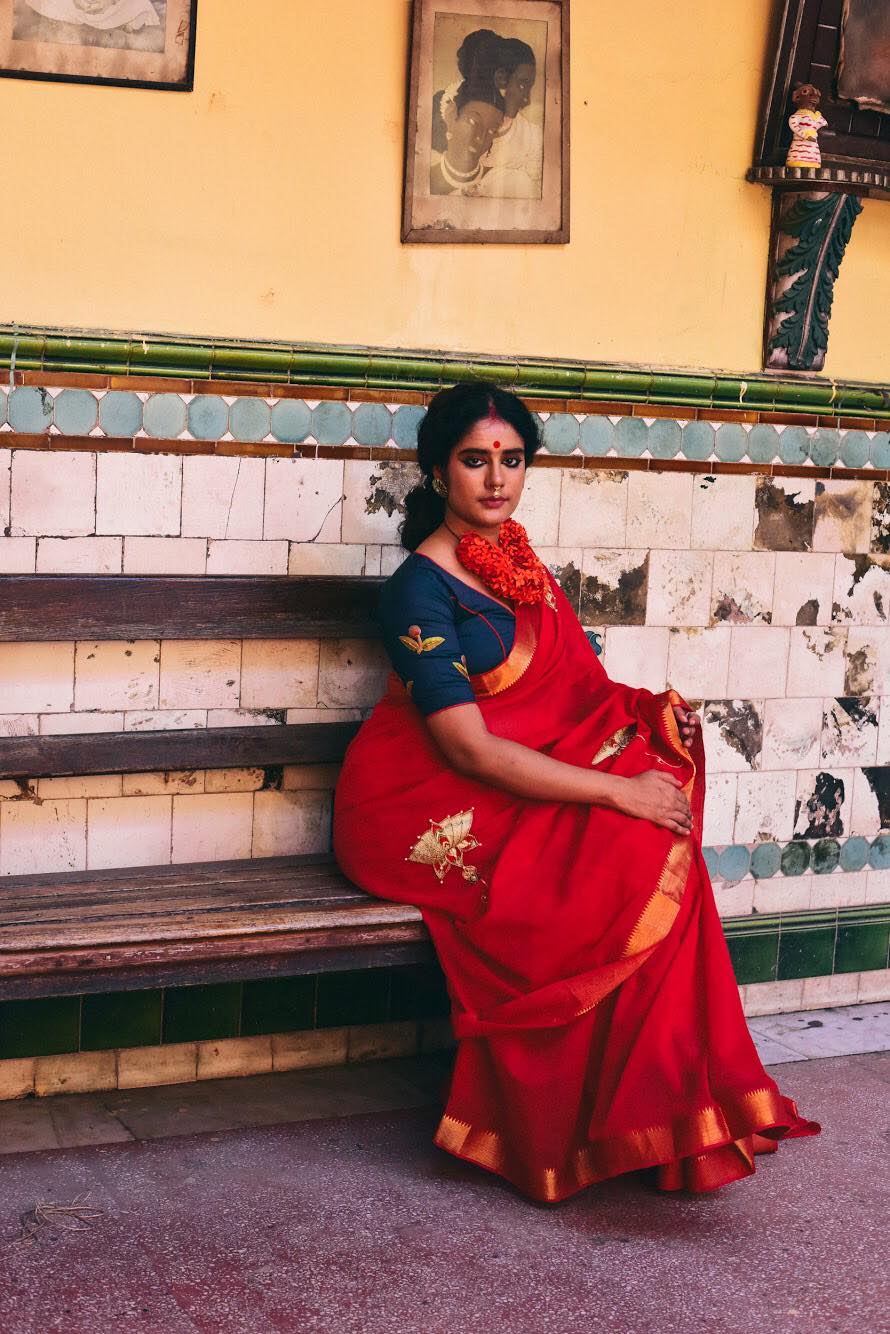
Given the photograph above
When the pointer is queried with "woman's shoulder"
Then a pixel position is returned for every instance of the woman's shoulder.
(416, 580)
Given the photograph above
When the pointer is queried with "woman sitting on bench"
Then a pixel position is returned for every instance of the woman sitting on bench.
(547, 822)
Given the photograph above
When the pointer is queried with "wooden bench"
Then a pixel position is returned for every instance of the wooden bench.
(117, 930)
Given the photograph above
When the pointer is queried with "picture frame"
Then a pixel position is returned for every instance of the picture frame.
(487, 130)
(125, 43)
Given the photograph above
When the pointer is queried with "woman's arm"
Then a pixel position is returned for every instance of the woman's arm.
(470, 748)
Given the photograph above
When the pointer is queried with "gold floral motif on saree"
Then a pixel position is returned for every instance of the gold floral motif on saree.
(615, 744)
(444, 845)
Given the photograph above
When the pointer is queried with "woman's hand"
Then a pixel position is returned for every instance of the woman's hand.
(658, 797)
(688, 722)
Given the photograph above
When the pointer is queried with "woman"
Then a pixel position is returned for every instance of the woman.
(547, 822)
(514, 164)
(479, 112)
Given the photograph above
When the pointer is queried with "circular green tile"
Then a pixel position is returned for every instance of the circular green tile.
(765, 860)
(794, 445)
(698, 440)
(30, 410)
(597, 435)
(404, 425)
(164, 416)
(795, 859)
(826, 855)
(562, 434)
(855, 447)
(291, 420)
(734, 862)
(76, 411)
(331, 423)
(665, 438)
(854, 854)
(732, 442)
(372, 424)
(824, 446)
(711, 860)
(879, 853)
(763, 444)
(208, 416)
(250, 419)
(631, 436)
(120, 413)
(880, 449)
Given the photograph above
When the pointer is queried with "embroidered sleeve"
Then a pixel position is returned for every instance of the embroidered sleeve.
(420, 634)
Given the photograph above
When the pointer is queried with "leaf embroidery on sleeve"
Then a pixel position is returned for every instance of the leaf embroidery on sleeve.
(415, 641)
(462, 666)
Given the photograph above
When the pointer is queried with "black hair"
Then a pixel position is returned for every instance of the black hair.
(478, 90)
(450, 415)
(477, 55)
(512, 53)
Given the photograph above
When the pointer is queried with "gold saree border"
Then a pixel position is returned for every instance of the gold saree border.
(516, 663)
(712, 1146)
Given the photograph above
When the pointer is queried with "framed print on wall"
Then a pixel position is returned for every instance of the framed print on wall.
(143, 43)
(487, 139)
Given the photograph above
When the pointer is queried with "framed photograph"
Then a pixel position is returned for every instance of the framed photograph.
(487, 137)
(143, 43)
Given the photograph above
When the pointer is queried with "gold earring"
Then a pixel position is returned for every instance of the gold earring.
(439, 487)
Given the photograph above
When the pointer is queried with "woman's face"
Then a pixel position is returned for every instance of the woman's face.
(473, 131)
(485, 474)
(518, 91)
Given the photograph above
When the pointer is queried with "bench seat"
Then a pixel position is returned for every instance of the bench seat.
(119, 930)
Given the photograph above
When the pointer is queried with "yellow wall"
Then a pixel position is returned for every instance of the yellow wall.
(266, 204)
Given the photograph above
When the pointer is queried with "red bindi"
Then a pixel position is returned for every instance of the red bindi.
(495, 444)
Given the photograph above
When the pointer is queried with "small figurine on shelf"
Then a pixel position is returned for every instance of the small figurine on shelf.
(806, 122)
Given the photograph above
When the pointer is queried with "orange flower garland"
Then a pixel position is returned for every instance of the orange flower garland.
(511, 569)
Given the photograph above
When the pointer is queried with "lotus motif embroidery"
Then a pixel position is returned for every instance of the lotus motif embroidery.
(415, 641)
(444, 845)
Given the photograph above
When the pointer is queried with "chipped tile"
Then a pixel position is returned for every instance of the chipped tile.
(564, 563)
(880, 519)
(862, 590)
(742, 588)
(804, 588)
(613, 587)
(659, 509)
(593, 508)
(785, 509)
(637, 655)
(679, 588)
(757, 662)
(850, 731)
(723, 512)
(870, 811)
(816, 661)
(374, 504)
(720, 803)
(792, 730)
(732, 730)
(822, 803)
(303, 499)
(698, 661)
(764, 806)
(842, 516)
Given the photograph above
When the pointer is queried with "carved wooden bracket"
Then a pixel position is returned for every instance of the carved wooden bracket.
(809, 234)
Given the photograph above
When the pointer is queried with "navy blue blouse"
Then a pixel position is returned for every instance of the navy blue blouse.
(439, 632)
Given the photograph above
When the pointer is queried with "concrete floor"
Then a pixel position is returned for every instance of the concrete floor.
(315, 1201)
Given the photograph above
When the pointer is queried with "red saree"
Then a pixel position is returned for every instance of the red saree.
(598, 1019)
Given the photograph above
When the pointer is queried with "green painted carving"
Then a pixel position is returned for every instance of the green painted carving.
(810, 235)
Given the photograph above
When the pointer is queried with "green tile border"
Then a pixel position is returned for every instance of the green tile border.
(30, 348)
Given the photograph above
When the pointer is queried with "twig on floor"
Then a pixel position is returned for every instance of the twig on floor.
(74, 1217)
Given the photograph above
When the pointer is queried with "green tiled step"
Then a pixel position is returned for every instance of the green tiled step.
(48, 349)
(762, 948)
